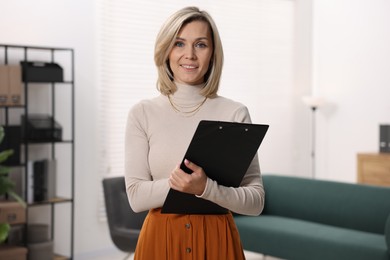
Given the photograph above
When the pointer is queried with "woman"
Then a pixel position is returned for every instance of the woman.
(189, 58)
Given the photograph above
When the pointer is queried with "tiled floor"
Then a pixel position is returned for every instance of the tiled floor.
(117, 255)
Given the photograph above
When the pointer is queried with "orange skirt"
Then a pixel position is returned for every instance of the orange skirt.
(195, 237)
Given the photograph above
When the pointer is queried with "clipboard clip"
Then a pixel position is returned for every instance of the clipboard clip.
(246, 129)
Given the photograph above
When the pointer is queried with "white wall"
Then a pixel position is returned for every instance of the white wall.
(351, 68)
(350, 63)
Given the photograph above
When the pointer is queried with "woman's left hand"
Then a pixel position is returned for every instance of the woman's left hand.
(194, 183)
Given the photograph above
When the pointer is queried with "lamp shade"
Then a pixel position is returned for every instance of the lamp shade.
(313, 101)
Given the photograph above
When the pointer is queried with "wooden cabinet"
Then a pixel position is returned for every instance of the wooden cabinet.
(374, 168)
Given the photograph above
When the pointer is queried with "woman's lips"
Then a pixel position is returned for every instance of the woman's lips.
(189, 66)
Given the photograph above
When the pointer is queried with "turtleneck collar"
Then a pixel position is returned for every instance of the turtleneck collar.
(188, 94)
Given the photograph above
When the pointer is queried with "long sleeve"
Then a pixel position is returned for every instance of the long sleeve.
(143, 192)
(248, 199)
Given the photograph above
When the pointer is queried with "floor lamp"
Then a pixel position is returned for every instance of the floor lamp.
(313, 103)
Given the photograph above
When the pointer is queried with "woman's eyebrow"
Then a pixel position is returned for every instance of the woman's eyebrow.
(197, 39)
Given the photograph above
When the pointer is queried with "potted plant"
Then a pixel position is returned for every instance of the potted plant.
(6, 186)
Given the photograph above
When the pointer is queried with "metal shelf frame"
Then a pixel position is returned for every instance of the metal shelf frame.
(6, 109)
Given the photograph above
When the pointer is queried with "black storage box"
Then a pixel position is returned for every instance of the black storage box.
(384, 138)
(12, 140)
(41, 128)
(41, 72)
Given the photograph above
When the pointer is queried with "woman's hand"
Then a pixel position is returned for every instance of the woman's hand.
(194, 183)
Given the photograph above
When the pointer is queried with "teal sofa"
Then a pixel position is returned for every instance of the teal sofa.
(315, 219)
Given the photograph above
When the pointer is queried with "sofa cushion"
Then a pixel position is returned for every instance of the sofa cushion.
(387, 233)
(296, 239)
(353, 206)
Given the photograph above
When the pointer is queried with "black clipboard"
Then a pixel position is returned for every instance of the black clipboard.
(224, 150)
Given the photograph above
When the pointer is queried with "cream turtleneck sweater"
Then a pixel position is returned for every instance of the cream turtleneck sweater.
(157, 138)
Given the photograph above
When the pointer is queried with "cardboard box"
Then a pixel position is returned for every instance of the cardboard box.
(4, 85)
(11, 87)
(13, 252)
(15, 86)
(12, 213)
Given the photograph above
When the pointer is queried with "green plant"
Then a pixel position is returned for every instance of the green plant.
(6, 185)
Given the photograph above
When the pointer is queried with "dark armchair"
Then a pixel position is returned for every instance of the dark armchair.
(123, 222)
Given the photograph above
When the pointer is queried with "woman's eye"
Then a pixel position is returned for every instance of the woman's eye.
(201, 45)
(179, 44)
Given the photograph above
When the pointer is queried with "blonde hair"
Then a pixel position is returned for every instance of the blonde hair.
(164, 44)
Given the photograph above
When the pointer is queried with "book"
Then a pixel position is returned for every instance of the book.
(41, 180)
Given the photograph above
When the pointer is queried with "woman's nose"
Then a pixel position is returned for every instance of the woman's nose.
(190, 53)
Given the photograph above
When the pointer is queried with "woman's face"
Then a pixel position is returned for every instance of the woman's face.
(190, 56)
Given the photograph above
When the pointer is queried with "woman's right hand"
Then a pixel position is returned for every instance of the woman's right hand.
(193, 183)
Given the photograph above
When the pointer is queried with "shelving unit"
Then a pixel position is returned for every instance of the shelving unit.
(56, 99)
